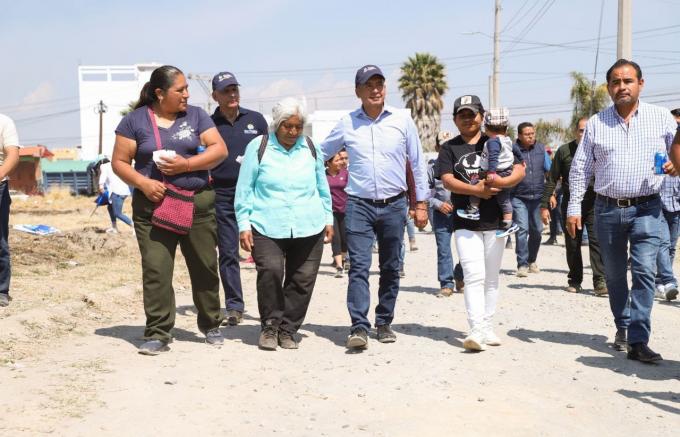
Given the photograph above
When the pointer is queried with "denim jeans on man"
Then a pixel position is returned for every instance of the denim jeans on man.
(442, 225)
(5, 267)
(363, 220)
(616, 227)
(527, 215)
(227, 244)
(115, 209)
(673, 221)
(664, 264)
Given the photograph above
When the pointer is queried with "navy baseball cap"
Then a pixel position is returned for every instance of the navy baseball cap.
(223, 80)
(468, 102)
(366, 72)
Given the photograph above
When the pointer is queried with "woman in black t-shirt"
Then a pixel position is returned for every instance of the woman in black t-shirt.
(479, 250)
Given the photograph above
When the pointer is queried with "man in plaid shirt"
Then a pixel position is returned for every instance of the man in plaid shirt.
(618, 147)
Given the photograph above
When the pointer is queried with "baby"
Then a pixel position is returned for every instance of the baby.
(497, 160)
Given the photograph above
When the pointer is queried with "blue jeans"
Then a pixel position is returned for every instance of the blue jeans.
(5, 267)
(673, 222)
(443, 230)
(664, 264)
(616, 227)
(527, 215)
(115, 209)
(363, 220)
(227, 245)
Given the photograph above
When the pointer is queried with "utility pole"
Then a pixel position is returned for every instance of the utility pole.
(101, 109)
(491, 91)
(624, 39)
(203, 80)
(495, 97)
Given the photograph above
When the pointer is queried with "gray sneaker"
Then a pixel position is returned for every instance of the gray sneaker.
(533, 268)
(522, 272)
(385, 334)
(214, 337)
(233, 317)
(671, 292)
(358, 339)
(153, 347)
(268, 338)
(287, 340)
(4, 299)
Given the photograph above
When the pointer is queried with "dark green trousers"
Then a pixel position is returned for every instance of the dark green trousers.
(158, 246)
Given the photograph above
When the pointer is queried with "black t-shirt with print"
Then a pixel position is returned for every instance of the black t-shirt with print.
(462, 160)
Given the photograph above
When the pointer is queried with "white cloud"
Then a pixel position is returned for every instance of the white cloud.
(44, 91)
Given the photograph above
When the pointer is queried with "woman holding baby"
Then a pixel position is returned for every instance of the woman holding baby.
(162, 136)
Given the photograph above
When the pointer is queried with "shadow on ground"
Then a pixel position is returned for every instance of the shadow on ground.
(524, 286)
(615, 361)
(419, 289)
(338, 334)
(134, 334)
(653, 398)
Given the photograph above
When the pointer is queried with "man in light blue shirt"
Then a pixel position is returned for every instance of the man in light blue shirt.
(379, 141)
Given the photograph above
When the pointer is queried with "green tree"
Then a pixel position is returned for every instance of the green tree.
(550, 132)
(422, 85)
(587, 101)
(129, 109)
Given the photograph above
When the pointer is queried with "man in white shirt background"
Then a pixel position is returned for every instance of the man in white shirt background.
(9, 159)
(118, 191)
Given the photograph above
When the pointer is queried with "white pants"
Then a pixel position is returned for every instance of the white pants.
(480, 255)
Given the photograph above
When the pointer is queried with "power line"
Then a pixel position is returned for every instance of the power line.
(541, 12)
(597, 55)
(511, 22)
(50, 102)
(42, 117)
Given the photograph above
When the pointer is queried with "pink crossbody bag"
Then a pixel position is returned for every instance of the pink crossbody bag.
(175, 212)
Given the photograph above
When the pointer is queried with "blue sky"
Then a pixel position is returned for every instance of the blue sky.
(282, 48)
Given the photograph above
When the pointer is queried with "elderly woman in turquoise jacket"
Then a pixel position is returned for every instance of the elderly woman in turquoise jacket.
(284, 215)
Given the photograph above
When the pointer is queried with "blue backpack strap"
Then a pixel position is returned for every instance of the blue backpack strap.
(263, 147)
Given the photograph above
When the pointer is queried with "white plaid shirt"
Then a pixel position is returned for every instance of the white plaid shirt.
(670, 194)
(621, 156)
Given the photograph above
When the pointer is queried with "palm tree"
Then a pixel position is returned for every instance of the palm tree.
(130, 108)
(587, 101)
(422, 85)
(549, 132)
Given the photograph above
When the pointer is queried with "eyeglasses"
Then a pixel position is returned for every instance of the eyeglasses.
(289, 127)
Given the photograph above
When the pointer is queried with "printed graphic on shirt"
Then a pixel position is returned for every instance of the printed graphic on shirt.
(250, 129)
(184, 132)
(468, 166)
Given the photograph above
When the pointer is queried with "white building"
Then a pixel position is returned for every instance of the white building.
(114, 85)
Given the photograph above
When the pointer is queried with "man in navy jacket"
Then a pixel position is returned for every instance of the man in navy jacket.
(526, 200)
(238, 126)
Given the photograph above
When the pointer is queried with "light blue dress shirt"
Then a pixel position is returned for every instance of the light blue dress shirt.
(378, 150)
(284, 196)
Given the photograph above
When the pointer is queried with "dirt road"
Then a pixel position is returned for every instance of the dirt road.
(555, 373)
